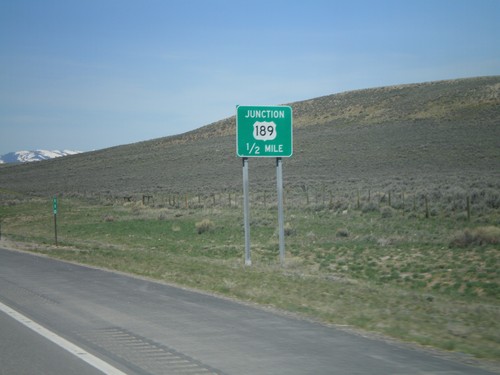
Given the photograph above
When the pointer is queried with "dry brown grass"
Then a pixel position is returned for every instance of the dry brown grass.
(489, 235)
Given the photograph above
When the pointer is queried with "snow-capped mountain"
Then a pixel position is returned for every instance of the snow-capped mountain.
(37, 155)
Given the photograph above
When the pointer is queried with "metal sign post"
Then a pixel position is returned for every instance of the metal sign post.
(281, 225)
(264, 131)
(246, 213)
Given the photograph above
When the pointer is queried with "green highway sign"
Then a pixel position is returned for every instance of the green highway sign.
(54, 205)
(264, 131)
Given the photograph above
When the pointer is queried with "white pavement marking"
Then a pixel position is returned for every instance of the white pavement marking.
(63, 343)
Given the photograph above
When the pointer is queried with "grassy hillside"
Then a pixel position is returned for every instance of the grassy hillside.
(392, 209)
(403, 134)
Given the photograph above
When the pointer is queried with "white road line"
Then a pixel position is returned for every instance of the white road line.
(92, 360)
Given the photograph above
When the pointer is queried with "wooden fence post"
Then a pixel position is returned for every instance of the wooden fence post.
(468, 208)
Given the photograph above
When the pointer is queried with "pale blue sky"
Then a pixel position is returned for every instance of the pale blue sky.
(91, 74)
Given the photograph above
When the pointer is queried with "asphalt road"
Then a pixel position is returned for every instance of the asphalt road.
(24, 352)
(143, 327)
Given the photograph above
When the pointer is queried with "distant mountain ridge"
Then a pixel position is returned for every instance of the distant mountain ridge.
(36, 155)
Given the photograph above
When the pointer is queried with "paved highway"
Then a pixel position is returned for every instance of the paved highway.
(143, 327)
(22, 351)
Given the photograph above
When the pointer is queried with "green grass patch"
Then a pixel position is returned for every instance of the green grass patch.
(394, 274)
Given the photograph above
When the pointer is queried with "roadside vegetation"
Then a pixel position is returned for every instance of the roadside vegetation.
(423, 273)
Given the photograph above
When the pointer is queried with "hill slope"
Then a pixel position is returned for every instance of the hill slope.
(403, 135)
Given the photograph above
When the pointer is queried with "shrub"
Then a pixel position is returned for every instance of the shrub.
(289, 230)
(205, 225)
(462, 216)
(370, 207)
(412, 215)
(493, 199)
(343, 232)
(477, 236)
(434, 212)
(387, 212)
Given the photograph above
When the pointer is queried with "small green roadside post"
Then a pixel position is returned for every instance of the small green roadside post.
(54, 209)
